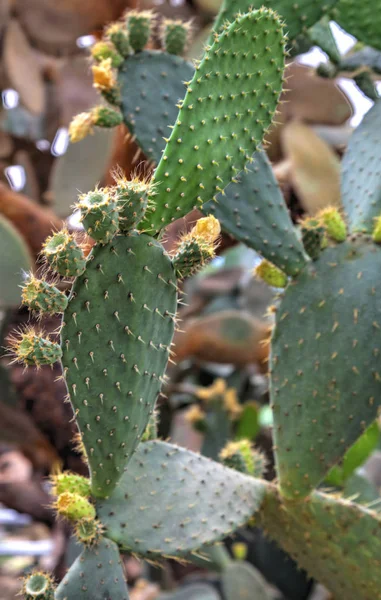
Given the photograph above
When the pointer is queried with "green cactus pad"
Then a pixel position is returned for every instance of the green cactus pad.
(172, 501)
(229, 105)
(97, 574)
(151, 83)
(298, 16)
(325, 363)
(116, 350)
(254, 212)
(241, 580)
(361, 178)
(336, 541)
(193, 591)
(360, 20)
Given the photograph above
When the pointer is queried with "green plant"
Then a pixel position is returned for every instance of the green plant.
(155, 499)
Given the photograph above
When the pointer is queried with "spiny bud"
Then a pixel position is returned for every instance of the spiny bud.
(103, 50)
(31, 348)
(197, 247)
(38, 586)
(271, 274)
(64, 255)
(88, 531)
(239, 550)
(377, 230)
(43, 297)
(175, 36)
(132, 199)
(70, 482)
(334, 223)
(99, 214)
(139, 27)
(74, 507)
(118, 36)
(104, 116)
(242, 457)
(313, 237)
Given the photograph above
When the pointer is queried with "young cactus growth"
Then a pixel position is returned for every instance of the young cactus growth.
(139, 27)
(38, 586)
(99, 214)
(313, 237)
(74, 507)
(242, 457)
(131, 197)
(88, 531)
(376, 235)
(64, 255)
(271, 274)
(196, 247)
(334, 223)
(71, 482)
(103, 50)
(101, 116)
(117, 34)
(31, 348)
(175, 36)
(43, 297)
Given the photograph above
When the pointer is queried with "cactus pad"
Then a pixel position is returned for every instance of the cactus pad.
(362, 21)
(336, 541)
(325, 363)
(228, 107)
(254, 212)
(116, 350)
(298, 16)
(97, 574)
(151, 84)
(240, 581)
(361, 178)
(172, 501)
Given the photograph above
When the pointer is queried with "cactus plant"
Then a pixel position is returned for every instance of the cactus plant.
(155, 499)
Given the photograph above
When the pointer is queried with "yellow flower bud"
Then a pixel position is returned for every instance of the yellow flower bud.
(103, 75)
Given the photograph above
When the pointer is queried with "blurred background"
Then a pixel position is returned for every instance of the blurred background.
(217, 387)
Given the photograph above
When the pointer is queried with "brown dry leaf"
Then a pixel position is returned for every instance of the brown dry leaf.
(307, 98)
(23, 69)
(227, 337)
(54, 26)
(315, 168)
(32, 221)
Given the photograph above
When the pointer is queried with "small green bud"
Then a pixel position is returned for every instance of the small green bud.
(99, 214)
(38, 586)
(150, 432)
(242, 457)
(31, 348)
(239, 550)
(64, 255)
(43, 297)
(313, 237)
(196, 248)
(334, 223)
(118, 36)
(74, 507)
(271, 274)
(175, 36)
(104, 116)
(88, 531)
(132, 199)
(139, 27)
(102, 50)
(71, 482)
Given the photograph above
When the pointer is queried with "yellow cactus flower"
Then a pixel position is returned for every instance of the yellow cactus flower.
(81, 126)
(208, 229)
(103, 75)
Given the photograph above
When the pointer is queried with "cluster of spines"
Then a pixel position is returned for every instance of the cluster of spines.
(121, 39)
(242, 456)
